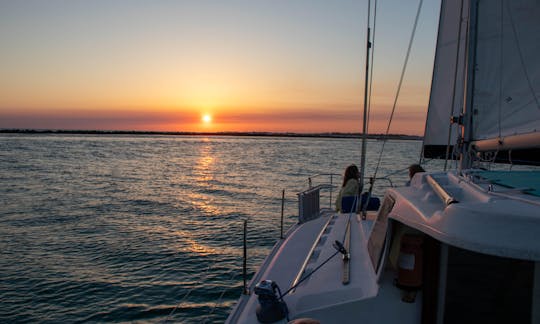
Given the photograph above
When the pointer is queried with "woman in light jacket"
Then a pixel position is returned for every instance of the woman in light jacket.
(350, 185)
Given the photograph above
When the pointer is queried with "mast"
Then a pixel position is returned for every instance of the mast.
(466, 127)
(366, 90)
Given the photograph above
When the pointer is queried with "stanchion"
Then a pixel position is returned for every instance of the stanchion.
(282, 210)
(244, 268)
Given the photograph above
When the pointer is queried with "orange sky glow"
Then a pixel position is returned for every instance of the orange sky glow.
(259, 69)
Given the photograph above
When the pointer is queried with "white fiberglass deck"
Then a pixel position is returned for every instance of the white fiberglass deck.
(323, 295)
(485, 217)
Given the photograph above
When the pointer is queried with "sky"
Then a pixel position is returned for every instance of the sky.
(248, 65)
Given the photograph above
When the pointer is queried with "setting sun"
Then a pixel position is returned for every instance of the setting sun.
(240, 73)
(207, 118)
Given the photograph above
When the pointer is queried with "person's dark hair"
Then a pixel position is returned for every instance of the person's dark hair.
(415, 168)
(351, 172)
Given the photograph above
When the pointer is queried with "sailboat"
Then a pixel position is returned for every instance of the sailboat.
(455, 246)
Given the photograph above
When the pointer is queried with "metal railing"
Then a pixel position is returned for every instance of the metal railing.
(321, 188)
(309, 200)
(325, 183)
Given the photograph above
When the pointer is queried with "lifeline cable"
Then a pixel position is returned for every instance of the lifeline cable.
(340, 249)
(188, 293)
(219, 301)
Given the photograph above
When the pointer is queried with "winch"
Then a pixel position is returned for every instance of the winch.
(271, 309)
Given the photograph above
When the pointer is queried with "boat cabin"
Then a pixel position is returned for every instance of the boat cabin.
(446, 249)
(475, 237)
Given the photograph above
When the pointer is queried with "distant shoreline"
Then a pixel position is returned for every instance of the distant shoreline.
(261, 134)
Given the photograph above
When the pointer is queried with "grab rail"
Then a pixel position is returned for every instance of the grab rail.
(439, 190)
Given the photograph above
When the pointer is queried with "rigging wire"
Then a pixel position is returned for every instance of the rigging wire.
(373, 179)
(398, 89)
(405, 169)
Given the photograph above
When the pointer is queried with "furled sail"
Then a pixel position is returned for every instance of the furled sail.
(504, 100)
(446, 99)
(506, 96)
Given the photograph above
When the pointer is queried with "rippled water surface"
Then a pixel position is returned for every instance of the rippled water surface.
(149, 229)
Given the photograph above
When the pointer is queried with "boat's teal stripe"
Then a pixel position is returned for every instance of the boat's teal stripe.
(529, 181)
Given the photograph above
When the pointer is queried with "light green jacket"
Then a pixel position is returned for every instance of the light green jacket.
(350, 189)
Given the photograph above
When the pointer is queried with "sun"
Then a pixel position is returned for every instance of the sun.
(206, 118)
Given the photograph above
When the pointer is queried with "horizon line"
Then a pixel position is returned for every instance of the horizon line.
(224, 133)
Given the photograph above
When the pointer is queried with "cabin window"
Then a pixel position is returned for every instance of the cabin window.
(377, 238)
(487, 289)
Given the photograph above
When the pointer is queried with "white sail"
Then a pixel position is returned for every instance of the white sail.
(446, 99)
(506, 96)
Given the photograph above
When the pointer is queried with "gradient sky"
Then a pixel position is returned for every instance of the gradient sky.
(253, 65)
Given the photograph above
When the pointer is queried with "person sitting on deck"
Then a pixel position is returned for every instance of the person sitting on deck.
(350, 187)
(414, 169)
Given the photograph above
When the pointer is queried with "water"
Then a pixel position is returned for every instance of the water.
(149, 229)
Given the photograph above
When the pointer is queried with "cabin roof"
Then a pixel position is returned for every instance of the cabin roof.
(482, 216)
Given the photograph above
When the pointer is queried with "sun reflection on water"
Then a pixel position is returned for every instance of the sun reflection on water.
(203, 172)
(195, 247)
(203, 169)
(179, 240)
(202, 202)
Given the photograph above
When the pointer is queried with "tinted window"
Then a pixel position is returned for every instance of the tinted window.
(487, 289)
(378, 234)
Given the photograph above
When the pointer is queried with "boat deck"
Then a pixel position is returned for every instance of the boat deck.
(527, 182)
(298, 255)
